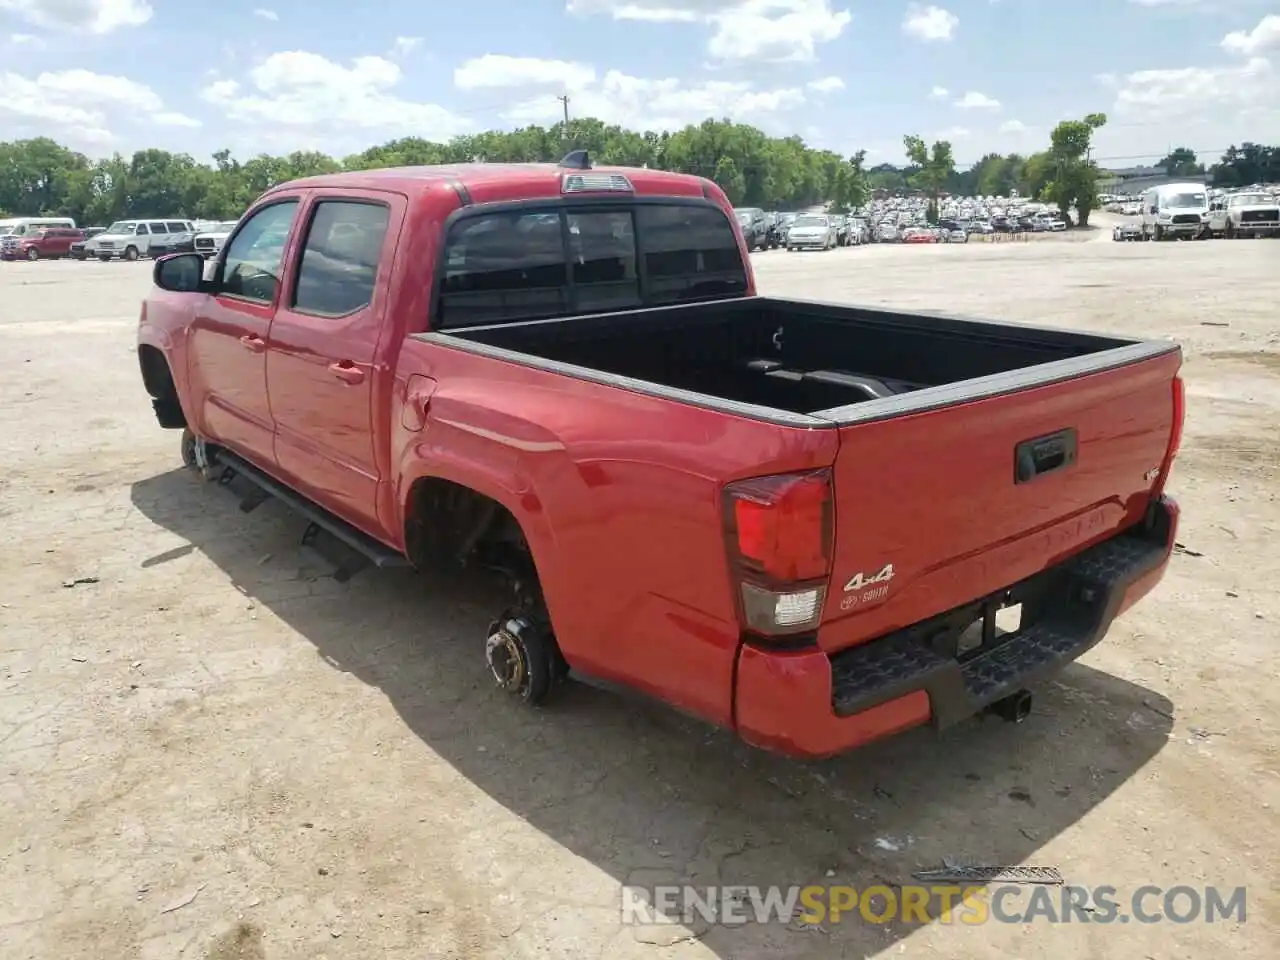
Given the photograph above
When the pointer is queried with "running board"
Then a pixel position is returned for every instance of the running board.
(377, 553)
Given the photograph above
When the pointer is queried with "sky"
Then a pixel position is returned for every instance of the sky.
(989, 75)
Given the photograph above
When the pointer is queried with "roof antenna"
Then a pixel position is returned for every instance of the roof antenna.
(577, 160)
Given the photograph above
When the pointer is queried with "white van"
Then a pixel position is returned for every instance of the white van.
(131, 239)
(1175, 210)
(21, 226)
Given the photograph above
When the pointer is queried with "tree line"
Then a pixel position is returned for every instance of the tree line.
(41, 177)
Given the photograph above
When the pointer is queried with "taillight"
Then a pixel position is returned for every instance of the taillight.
(779, 535)
(1175, 434)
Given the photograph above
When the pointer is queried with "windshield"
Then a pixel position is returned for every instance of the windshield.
(1184, 200)
(120, 226)
(1249, 199)
(810, 222)
(226, 226)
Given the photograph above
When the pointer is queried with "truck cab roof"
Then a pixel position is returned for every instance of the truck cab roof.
(495, 182)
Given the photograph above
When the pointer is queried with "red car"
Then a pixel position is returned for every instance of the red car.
(48, 243)
(919, 235)
(794, 519)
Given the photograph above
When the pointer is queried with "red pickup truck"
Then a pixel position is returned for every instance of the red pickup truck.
(803, 521)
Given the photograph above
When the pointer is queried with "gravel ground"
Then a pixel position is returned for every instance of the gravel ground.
(209, 749)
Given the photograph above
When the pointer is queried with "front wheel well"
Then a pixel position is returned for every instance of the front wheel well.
(158, 380)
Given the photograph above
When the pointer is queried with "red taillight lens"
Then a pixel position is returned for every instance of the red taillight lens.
(780, 526)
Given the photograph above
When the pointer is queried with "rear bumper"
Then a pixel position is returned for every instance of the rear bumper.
(807, 703)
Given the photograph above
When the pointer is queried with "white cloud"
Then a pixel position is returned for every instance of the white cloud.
(973, 100)
(929, 24)
(826, 85)
(776, 30)
(1013, 126)
(955, 133)
(170, 119)
(296, 95)
(21, 39)
(660, 104)
(265, 14)
(403, 46)
(79, 106)
(939, 93)
(1205, 108)
(1166, 3)
(91, 16)
(498, 72)
(1261, 38)
(768, 30)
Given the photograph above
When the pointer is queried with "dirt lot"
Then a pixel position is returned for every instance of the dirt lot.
(211, 750)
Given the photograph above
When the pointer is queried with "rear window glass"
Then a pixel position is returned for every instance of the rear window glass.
(523, 265)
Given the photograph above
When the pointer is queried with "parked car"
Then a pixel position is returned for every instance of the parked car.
(1245, 215)
(42, 243)
(1127, 232)
(174, 243)
(919, 235)
(77, 249)
(131, 239)
(719, 502)
(812, 231)
(14, 230)
(208, 243)
(755, 230)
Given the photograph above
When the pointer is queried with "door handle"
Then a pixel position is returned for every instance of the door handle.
(346, 371)
(256, 344)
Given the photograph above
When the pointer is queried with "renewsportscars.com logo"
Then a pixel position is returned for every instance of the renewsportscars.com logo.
(926, 903)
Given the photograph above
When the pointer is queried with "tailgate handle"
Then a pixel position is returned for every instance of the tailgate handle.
(1042, 455)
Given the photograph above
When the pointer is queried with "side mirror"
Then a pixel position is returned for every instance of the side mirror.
(180, 273)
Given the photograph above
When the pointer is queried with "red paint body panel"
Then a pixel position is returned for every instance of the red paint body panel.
(952, 522)
(619, 493)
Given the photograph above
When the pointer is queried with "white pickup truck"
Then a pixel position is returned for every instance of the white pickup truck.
(1245, 215)
(210, 242)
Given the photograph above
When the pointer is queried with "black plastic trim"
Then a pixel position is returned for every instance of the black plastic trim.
(1075, 604)
(464, 195)
(378, 553)
(1111, 353)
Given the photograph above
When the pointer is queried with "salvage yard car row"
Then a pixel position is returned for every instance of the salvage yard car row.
(54, 238)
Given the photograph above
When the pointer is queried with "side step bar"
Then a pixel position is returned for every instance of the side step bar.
(379, 554)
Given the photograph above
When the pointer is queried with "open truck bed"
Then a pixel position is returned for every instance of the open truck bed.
(802, 363)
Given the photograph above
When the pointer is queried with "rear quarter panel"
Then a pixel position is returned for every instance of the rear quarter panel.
(618, 494)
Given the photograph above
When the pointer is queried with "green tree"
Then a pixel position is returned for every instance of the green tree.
(1072, 176)
(1182, 162)
(933, 167)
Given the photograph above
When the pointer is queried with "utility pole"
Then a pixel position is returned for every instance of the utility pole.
(565, 100)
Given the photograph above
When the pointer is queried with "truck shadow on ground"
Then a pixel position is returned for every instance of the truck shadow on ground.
(653, 798)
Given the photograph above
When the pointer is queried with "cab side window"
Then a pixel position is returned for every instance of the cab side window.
(340, 259)
(252, 263)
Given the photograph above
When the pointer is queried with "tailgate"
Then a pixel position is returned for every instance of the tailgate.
(931, 512)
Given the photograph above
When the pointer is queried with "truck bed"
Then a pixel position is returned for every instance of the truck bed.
(795, 361)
